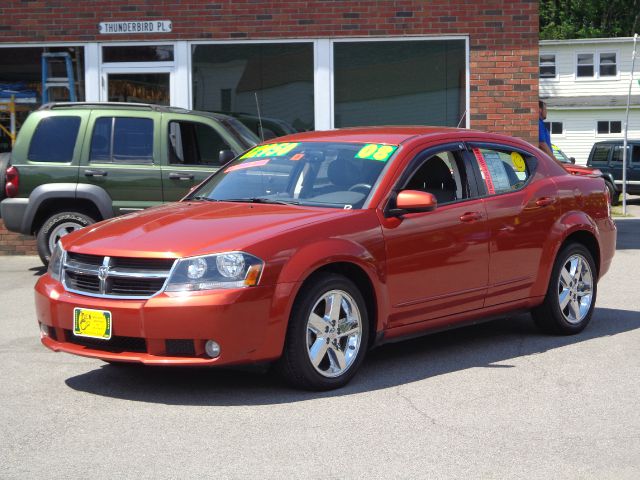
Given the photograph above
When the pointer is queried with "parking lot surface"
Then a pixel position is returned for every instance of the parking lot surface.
(497, 400)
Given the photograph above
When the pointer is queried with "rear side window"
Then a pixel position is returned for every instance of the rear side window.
(503, 171)
(122, 140)
(600, 154)
(54, 140)
(192, 143)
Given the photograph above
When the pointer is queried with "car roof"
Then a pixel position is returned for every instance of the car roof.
(393, 135)
(616, 142)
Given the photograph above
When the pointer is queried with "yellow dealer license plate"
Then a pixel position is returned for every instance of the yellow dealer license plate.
(92, 323)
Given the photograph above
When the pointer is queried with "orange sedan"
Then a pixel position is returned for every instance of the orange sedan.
(312, 249)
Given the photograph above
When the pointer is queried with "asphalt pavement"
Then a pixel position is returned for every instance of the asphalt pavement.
(498, 400)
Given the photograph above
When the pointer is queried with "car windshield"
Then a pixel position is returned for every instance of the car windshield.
(560, 155)
(327, 174)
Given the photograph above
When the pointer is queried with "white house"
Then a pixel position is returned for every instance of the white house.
(585, 84)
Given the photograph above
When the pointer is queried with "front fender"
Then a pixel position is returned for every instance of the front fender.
(317, 255)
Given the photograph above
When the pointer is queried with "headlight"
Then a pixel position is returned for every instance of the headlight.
(56, 261)
(224, 270)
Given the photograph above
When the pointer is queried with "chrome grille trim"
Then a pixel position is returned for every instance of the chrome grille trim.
(144, 283)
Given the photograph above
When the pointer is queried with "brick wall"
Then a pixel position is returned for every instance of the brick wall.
(503, 37)
(15, 244)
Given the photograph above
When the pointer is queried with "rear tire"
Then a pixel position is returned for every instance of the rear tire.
(327, 335)
(571, 295)
(56, 227)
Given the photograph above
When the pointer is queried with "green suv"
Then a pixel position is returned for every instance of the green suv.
(74, 164)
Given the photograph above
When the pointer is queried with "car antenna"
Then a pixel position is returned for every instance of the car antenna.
(259, 117)
(462, 118)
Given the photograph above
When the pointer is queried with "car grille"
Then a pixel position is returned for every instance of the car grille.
(116, 277)
(114, 344)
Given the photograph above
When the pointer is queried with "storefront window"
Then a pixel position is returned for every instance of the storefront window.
(21, 80)
(399, 83)
(274, 80)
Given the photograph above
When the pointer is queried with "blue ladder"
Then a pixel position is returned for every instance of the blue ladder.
(48, 82)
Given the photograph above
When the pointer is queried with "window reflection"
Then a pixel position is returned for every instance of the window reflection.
(274, 80)
(399, 83)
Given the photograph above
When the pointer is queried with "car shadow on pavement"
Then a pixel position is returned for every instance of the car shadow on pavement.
(489, 345)
(628, 234)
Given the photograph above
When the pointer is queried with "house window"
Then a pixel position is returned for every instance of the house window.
(585, 65)
(554, 128)
(548, 66)
(606, 127)
(608, 66)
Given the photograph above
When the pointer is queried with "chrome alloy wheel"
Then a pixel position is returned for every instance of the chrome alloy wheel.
(334, 333)
(60, 231)
(575, 289)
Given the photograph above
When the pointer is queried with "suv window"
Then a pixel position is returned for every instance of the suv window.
(600, 154)
(122, 140)
(503, 171)
(193, 143)
(54, 139)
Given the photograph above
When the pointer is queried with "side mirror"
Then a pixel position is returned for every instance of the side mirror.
(572, 159)
(413, 201)
(225, 156)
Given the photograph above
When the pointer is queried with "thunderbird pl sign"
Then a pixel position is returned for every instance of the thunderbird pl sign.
(135, 26)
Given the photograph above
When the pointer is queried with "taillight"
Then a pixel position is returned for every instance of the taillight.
(12, 178)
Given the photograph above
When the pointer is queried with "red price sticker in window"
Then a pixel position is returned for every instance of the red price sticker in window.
(242, 166)
(486, 176)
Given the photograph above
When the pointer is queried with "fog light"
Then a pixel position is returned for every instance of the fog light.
(44, 330)
(212, 349)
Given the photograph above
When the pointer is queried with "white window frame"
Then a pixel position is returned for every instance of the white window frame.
(617, 64)
(596, 65)
(609, 134)
(551, 122)
(555, 65)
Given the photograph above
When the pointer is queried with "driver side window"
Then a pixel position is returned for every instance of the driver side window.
(442, 175)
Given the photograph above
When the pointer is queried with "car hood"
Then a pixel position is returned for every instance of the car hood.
(193, 228)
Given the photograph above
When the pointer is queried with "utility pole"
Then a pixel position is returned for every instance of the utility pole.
(626, 130)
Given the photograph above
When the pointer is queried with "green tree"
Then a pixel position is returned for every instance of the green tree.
(561, 19)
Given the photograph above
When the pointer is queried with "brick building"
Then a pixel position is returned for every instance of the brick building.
(306, 64)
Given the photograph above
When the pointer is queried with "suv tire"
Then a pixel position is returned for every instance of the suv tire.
(57, 226)
(614, 196)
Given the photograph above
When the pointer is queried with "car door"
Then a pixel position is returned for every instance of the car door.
(437, 262)
(192, 152)
(121, 156)
(633, 167)
(522, 207)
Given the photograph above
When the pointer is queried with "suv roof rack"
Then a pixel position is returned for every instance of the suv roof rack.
(141, 106)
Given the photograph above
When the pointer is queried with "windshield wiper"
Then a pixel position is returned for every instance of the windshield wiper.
(261, 200)
(201, 197)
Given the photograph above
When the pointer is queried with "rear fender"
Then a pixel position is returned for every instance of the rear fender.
(568, 224)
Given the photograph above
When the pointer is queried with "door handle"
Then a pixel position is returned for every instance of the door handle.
(470, 217)
(181, 176)
(95, 173)
(545, 201)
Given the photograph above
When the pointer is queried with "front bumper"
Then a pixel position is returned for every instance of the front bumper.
(248, 324)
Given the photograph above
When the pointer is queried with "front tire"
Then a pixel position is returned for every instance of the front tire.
(571, 295)
(327, 335)
(56, 227)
